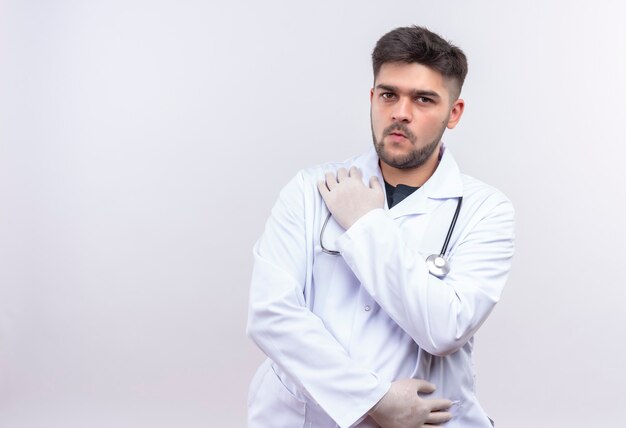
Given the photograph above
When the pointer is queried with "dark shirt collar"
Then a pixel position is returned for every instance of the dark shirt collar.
(397, 194)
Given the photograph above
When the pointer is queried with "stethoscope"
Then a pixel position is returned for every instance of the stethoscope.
(437, 263)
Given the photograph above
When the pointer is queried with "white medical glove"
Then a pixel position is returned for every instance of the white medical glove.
(347, 198)
(401, 407)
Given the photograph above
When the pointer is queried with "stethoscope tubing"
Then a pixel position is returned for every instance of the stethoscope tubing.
(451, 228)
(324, 249)
(437, 264)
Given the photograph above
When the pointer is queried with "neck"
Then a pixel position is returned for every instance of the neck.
(414, 177)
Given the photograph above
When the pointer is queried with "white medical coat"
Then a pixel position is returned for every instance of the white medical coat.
(338, 329)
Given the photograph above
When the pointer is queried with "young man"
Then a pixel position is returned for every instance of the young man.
(353, 299)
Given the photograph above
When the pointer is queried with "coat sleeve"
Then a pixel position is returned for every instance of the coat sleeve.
(441, 315)
(291, 335)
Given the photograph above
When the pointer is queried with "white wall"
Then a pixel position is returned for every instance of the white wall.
(142, 144)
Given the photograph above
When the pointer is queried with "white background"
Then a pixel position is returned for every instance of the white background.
(142, 144)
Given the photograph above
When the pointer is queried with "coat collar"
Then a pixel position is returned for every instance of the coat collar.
(445, 183)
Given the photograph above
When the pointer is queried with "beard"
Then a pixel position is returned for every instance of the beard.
(415, 158)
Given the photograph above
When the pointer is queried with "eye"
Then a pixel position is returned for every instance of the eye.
(424, 100)
(388, 96)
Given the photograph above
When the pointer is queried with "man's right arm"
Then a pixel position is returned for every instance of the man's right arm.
(288, 332)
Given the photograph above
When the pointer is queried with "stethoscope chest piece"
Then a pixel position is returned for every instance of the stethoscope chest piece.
(437, 265)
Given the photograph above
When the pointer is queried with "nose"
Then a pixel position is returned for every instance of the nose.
(402, 111)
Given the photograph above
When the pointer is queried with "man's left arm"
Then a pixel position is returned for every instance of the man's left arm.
(441, 315)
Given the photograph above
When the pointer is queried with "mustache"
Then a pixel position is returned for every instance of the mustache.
(399, 127)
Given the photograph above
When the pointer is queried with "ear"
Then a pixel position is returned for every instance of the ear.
(455, 113)
(371, 94)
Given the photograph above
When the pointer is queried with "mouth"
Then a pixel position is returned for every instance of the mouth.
(398, 134)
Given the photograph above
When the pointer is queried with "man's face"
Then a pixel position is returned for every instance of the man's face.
(411, 107)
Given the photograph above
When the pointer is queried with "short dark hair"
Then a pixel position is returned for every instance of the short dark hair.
(420, 45)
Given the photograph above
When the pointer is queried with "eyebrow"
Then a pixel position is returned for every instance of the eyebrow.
(413, 92)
